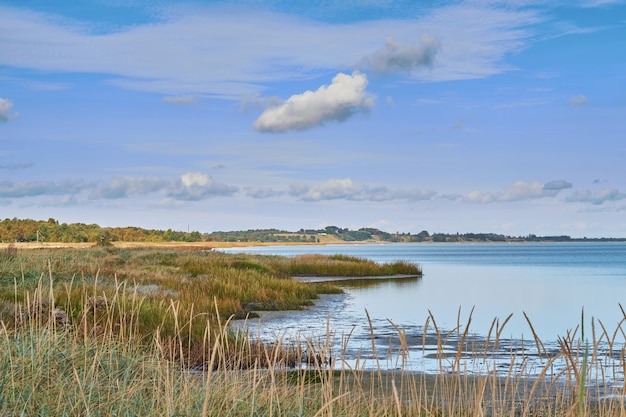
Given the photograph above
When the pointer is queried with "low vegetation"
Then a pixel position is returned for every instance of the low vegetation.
(168, 287)
(346, 266)
(50, 366)
(104, 331)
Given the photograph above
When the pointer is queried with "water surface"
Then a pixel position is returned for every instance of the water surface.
(549, 282)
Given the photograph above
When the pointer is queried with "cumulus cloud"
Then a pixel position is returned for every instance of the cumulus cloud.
(188, 187)
(476, 196)
(578, 100)
(346, 189)
(194, 186)
(597, 198)
(263, 192)
(520, 190)
(121, 187)
(329, 190)
(402, 57)
(338, 101)
(5, 108)
(180, 100)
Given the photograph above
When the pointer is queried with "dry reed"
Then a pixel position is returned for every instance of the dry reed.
(99, 359)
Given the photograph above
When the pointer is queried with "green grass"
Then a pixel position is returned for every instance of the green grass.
(345, 266)
(106, 332)
(175, 291)
(68, 370)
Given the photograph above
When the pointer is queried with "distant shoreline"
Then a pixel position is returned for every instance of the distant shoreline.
(171, 245)
(227, 245)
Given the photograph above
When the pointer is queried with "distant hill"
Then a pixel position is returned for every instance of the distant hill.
(27, 230)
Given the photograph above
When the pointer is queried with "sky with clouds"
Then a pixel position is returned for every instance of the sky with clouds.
(447, 116)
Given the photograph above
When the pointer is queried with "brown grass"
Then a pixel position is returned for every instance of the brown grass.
(125, 348)
(53, 369)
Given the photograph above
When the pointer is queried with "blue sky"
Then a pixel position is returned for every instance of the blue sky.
(446, 116)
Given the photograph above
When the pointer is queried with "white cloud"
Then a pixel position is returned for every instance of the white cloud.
(230, 52)
(194, 186)
(5, 108)
(121, 187)
(477, 196)
(329, 190)
(599, 197)
(189, 186)
(475, 37)
(346, 189)
(341, 99)
(402, 57)
(520, 190)
(578, 100)
(263, 192)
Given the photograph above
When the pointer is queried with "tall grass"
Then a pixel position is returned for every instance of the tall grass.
(346, 266)
(127, 337)
(175, 286)
(48, 367)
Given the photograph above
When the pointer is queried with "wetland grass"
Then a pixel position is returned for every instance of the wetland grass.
(168, 287)
(347, 266)
(132, 345)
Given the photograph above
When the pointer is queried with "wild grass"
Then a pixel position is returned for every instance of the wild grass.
(52, 367)
(175, 286)
(126, 337)
(346, 266)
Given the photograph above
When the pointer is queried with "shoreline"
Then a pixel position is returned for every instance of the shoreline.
(228, 245)
(314, 279)
(176, 245)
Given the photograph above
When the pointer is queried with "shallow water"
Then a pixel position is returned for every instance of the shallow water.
(550, 282)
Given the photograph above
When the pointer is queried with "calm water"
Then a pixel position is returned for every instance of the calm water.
(550, 282)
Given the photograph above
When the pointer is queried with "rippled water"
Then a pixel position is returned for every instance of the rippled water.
(549, 282)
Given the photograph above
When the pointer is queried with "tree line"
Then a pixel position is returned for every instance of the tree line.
(18, 230)
(27, 230)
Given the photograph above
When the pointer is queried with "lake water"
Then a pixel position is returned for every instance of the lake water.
(549, 282)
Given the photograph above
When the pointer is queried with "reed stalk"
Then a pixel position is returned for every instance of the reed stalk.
(93, 342)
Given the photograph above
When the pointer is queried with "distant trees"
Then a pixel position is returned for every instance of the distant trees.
(421, 236)
(19, 230)
(438, 237)
(26, 230)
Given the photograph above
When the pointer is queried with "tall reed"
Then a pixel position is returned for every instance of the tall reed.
(80, 346)
(52, 367)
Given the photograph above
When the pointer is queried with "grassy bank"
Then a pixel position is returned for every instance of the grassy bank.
(167, 288)
(143, 332)
(51, 367)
